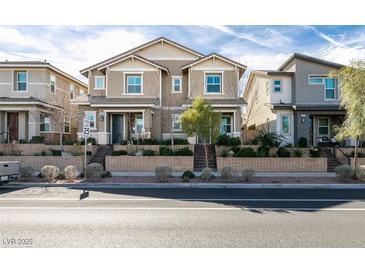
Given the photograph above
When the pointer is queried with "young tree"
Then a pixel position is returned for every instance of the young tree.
(203, 121)
(352, 83)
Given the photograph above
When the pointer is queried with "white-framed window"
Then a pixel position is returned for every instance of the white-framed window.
(138, 123)
(277, 85)
(226, 124)
(329, 88)
(53, 83)
(72, 91)
(323, 126)
(285, 124)
(134, 84)
(213, 83)
(176, 122)
(315, 79)
(82, 92)
(176, 84)
(44, 122)
(21, 81)
(66, 124)
(99, 82)
(91, 117)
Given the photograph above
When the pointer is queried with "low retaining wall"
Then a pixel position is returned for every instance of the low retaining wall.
(148, 163)
(274, 164)
(360, 161)
(30, 149)
(347, 151)
(37, 162)
(305, 151)
(155, 148)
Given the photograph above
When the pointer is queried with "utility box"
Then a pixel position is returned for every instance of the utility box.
(9, 171)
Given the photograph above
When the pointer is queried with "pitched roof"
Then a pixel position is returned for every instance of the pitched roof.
(223, 101)
(102, 100)
(159, 39)
(310, 59)
(214, 55)
(25, 101)
(39, 64)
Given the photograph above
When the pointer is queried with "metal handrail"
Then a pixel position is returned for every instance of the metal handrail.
(344, 154)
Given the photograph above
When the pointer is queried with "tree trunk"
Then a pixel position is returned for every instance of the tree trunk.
(355, 156)
(206, 154)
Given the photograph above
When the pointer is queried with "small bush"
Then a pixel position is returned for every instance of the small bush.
(225, 140)
(224, 153)
(185, 151)
(119, 152)
(315, 153)
(262, 152)
(68, 142)
(50, 173)
(71, 173)
(206, 174)
(150, 142)
(289, 145)
(165, 151)
(298, 153)
(227, 172)
(56, 152)
(90, 140)
(61, 175)
(283, 152)
(148, 152)
(247, 174)
(246, 152)
(94, 170)
(185, 179)
(177, 141)
(106, 174)
(361, 172)
(344, 171)
(36, 154)
(163, 173)
(302, 142)
(37, 140)
(189, 174)
(22, 141)
(26, 172)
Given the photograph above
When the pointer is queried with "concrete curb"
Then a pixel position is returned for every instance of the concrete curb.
(190, 185)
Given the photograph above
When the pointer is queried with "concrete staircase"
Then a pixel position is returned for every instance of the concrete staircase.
(332, 161)
(99, 156)
(199, 157)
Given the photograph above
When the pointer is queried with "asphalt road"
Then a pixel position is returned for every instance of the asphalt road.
(56, 217)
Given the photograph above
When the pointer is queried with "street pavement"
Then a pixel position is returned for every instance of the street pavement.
(181, 217)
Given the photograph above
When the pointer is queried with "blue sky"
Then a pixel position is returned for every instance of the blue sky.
(72, 48)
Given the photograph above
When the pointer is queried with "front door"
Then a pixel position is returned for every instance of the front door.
(13, 125)
(117, 128)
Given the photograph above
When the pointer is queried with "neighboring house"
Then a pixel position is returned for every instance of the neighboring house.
(142, 92)
(297, 100)
(32, 97)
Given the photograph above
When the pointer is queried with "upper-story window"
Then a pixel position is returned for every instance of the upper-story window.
(329, 84)
(21, 81)
(72, 91)
(213, 83)
(99, 82)
(134, 84)
(315, 80)
(176, 84)
(53, 83)
(91, 117)
(277, 86)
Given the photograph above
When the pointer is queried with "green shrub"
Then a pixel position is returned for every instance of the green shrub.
(22, 141)
(246, 152)
(90, 140)
(247, 174)
(289, 145)
(148, 152)
(302, 142)
(225, 140)
(185, 151)
(283, 152)
(185, 179)
(298, 153)
(56, 152)
(177, 141)
(206, 174)
(61, 175)
(106, 174)
(163, 173)
(165, 151)
(150, 141)
(315, 153)
(224, 153)
(189, 174)
(344, 171)
(37, 140)
(94, 170)
(361, 172)
(262, 152)
(227, 172)
(68, 142)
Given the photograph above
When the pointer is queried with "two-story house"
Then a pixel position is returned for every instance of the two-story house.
(142, 92)
(32, 95)
(299, 99)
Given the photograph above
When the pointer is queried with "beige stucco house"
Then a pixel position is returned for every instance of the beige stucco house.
(32, 97)
(141, 92)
